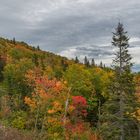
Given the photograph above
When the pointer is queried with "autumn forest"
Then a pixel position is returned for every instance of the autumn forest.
(44, 96)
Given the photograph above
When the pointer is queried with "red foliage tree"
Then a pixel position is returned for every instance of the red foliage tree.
(80, 105)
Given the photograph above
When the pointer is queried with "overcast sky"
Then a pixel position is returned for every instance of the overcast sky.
(72, 27)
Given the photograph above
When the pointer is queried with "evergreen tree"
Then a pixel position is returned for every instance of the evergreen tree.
(101, 64)
(92, 62)
(86, 61)
(38, 48)
(76, 60)
(14, 40)
(117, 122)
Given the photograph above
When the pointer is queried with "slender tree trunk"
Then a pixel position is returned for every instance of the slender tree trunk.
(121, 98)
(65, 113)
(36, 120)
(122, 117)
(99, 114)
(43, 120)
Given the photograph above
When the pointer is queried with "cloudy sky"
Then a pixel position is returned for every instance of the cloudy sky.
(72, 27)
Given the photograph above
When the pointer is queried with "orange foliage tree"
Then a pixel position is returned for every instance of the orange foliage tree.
(47, 103)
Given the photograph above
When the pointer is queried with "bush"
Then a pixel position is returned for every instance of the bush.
(18, 119)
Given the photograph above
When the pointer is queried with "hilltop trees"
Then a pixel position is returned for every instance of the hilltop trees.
(86, 62)
(93, 62)
(117, 121)
(76, 60)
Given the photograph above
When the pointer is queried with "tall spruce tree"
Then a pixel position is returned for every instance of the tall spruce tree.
(92, 62)
(76, 60)
(117, 121)
(14, 40)
(86, 62)
(101, 64)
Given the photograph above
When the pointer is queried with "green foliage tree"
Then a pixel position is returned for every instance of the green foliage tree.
(116, 118)
(35, 59)
(100, 79)
(78, 78)
(14, 80)
(18, 119)
(2, 64)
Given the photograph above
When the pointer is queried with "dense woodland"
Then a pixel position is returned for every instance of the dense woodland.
(44, 96)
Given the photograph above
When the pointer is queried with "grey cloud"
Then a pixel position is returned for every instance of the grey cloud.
(59, 25)
(95, 52)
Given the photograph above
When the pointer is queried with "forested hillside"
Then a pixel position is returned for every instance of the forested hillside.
(44, 96)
